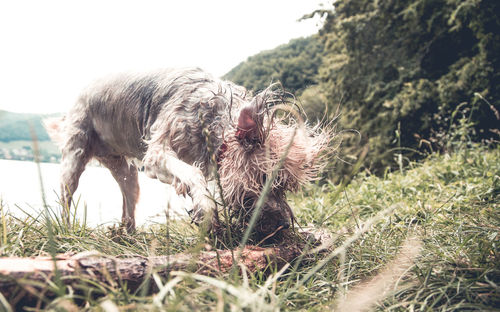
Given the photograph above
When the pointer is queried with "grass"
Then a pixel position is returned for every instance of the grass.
(450, 202)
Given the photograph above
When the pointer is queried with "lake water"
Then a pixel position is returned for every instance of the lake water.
(20, 189)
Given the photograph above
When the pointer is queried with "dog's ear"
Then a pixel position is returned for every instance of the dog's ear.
(250, 124)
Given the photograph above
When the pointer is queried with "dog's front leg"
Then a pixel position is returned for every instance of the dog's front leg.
(162, 163)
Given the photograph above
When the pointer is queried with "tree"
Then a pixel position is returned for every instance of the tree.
(410, 63)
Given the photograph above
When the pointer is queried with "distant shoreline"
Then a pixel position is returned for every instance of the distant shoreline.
(23, 150)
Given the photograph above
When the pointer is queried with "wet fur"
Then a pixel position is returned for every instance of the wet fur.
(181, 124)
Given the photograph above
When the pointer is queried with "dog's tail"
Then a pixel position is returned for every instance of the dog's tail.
(54, 127)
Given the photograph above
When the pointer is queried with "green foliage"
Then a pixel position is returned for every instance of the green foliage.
(314, 103)
(389, 63)
(410, 63)
(295, 65)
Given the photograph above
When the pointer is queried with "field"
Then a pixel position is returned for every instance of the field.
(445, 210)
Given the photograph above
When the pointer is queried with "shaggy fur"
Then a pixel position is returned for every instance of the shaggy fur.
(181, 125)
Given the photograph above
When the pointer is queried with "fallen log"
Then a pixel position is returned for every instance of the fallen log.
(31, 281)
(16, 273)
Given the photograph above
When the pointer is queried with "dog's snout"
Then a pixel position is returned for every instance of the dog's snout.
(285, 224)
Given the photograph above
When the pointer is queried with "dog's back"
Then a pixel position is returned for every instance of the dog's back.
(122, 111)
(164, 116)
(184, 125)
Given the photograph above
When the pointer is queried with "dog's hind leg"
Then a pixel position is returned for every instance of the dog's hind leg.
(75, 156)
(126, 176)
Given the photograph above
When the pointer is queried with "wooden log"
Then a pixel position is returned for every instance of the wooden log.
(20, 272)
(28, 282)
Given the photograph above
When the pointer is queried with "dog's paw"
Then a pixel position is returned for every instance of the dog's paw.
(149, 168)
(196, 216)
(203, 206)
(152, 172)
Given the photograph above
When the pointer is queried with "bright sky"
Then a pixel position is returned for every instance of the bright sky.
(50, 50)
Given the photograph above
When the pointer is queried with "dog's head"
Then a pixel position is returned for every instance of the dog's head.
(262, 150)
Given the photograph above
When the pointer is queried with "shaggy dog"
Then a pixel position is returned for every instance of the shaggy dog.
(186, 127)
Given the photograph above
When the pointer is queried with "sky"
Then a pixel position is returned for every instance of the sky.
(50, 50)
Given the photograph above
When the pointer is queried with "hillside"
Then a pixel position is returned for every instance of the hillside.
(295, 65)
(17, 126)
(397, 75)
(16, 137)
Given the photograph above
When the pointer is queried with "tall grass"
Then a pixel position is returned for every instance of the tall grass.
(450, 202)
